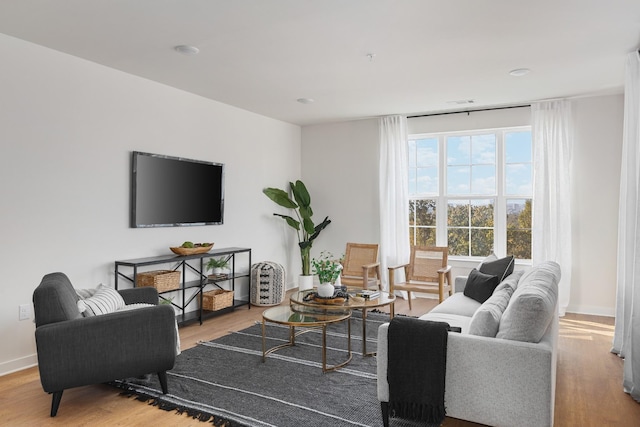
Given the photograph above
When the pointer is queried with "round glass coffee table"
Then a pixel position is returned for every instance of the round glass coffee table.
(384, 299)
(308, 317)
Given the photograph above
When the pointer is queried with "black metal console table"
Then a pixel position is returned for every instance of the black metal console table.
(192, 289)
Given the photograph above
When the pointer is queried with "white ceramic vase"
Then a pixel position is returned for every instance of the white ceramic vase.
(325, 290)
(305, 282)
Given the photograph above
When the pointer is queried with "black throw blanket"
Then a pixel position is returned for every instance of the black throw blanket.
(416, 369)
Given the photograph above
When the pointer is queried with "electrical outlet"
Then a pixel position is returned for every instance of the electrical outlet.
(24, 312)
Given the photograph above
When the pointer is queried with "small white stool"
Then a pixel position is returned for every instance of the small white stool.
(267, 283)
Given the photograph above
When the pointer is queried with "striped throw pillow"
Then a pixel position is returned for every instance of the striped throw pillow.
(105, 300)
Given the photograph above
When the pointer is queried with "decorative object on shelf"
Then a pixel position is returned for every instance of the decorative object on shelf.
(189, 248)
(328, 270)
(306, 230)
(217, 299)
(218, 266)
(162, 280)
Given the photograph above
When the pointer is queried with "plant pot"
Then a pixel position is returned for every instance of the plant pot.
(326, 290)
(216, 270)
(305, 282)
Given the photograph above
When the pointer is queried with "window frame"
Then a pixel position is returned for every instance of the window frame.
(500, 196)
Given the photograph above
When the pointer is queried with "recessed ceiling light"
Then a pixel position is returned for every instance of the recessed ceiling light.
(306, 100)
(519, 72)
(187, 50)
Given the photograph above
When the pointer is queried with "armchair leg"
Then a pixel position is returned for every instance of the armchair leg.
(409, 298)
(385, 413)
(55, 402)
(162, 376)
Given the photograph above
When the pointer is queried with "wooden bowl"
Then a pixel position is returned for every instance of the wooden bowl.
(190, 251)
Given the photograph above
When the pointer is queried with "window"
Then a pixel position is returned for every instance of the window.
(479, 200)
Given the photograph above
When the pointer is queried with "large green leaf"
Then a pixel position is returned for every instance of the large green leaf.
(280, 197)
(301, 194)
(292, 222)
(319, 228)
(309, 228)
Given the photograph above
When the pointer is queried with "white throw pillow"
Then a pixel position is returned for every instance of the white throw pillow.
(105, 300)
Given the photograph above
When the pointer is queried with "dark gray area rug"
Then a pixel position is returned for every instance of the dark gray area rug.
(226, 383)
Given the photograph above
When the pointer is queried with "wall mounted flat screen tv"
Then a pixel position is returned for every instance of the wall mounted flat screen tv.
(172, 191)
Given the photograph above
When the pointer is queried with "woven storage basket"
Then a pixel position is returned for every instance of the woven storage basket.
(162, 280)
(217, 299)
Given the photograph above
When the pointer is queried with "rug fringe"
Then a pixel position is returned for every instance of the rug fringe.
(202, 416)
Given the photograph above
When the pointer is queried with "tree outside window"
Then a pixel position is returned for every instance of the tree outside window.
(480, 201)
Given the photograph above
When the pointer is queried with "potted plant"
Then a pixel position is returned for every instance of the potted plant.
(328, 270)
(216, 265)
(306, 230)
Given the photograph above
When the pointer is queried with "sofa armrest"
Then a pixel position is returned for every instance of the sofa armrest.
(459, 283)
(492, 381)
(98, 349)
(147, 295)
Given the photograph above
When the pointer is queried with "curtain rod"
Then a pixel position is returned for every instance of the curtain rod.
(469, 111)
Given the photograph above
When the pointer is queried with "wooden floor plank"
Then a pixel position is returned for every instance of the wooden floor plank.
(588, 392)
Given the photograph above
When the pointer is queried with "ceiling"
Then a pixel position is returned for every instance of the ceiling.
(355, 58)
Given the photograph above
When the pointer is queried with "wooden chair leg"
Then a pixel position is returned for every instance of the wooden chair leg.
(55, 402)
(409, 298)
(385, 413)
(162, 377)
(392, 310)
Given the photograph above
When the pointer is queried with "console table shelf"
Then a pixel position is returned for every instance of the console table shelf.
(193, 289)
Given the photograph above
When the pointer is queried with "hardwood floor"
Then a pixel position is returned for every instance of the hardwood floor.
(588, 392)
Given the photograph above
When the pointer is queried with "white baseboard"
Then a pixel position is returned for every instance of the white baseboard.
(592, 310)
(16, 365)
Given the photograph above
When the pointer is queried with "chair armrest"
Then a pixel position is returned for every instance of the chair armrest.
(103, 348)
(147, 295)
(370, 266)
(444, 269)
(395, 267)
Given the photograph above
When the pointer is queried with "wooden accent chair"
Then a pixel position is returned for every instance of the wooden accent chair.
(427, 271)
(360, 267)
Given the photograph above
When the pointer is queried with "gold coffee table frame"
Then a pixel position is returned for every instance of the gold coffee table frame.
(384, 299)
(309, 318)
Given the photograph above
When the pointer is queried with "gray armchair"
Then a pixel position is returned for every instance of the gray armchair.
(75, 351)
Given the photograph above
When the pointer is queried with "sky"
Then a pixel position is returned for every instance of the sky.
(471, 165)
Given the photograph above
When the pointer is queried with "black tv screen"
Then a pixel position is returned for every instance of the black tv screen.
(171, 191)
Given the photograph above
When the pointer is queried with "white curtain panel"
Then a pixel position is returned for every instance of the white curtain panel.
(394, 194)
(552, 133)
(626, 340)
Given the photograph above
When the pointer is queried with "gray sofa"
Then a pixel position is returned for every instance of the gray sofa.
(501, 369)
(75, 351)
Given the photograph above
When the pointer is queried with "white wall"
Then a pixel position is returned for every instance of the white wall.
(68, 127)
(597, 156)
(340, 169)
(596, 174)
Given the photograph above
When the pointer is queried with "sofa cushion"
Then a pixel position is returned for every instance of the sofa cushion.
(456, 320)
(501, 267)
(480, 286)
(105, 300)
(532, 306)
(457, 304)
(486, 319)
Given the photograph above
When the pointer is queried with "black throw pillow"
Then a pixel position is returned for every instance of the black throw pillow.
(501, 267)
(480, 286)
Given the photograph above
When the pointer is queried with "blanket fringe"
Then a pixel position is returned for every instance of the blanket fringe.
(432, 414)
